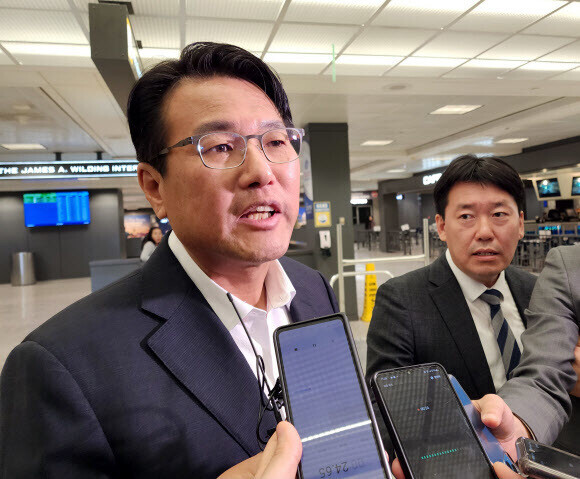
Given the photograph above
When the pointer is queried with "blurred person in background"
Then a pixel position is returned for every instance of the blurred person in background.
(150, 242)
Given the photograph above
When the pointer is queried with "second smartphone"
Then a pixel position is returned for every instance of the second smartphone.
(429, 428)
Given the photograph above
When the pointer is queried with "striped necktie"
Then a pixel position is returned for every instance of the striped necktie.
(508, 347)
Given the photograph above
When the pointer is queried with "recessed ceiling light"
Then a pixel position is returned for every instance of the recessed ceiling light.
(159, 53)
(455, 109)
(22, 107)
(512, 140)
(397, 170)
(376, 143)
(503, 64)
(22, 146)
(549, 66)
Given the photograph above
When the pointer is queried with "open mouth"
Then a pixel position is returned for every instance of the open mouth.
(260, 213)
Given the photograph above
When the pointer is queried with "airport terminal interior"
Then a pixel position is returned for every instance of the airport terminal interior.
(401, 87)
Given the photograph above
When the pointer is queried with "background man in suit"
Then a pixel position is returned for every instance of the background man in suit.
(154, 375)
(550, 363)
(465, 310)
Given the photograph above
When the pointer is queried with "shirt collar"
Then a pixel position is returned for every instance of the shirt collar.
(471, 288)
(279, 288)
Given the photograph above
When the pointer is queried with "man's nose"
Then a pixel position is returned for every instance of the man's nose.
(257, 169)
(484, 229)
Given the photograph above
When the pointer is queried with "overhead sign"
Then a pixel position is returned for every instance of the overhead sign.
(431, 179)
(67, 169)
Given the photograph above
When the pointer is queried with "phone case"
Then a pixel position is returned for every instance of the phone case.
(391, 428)
(533, 469)
(359, 373)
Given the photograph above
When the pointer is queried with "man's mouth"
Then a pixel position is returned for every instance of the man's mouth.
(260, 213)
(485, 253)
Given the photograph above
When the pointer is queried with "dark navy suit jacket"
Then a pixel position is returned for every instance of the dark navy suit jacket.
(140, 379)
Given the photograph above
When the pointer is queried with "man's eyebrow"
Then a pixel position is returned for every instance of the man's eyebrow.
(467, 206)
(272, 124)
(214, 126)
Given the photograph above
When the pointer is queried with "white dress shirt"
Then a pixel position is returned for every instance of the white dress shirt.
(260, 324)
(480, 312)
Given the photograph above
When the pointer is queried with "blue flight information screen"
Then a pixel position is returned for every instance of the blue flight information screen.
(57, 208)
(326, 403)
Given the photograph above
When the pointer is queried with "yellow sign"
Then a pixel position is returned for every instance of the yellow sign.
(322, 218)
(370, 293)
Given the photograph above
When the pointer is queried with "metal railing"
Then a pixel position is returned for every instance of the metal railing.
(348, 262)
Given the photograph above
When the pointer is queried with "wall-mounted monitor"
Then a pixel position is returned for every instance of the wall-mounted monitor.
(576, 186)
(57, 208)
(548, 188)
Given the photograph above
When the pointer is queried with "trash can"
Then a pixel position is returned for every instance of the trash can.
(22, 269)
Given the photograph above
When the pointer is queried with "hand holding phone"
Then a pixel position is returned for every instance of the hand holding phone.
(430, 430)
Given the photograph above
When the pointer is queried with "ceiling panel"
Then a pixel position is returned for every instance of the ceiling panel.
(539, 70)
(422, 13)
(83, 5)
(363, 70)
(4, 59)
(332, 11)
(156, 32)
(246, 9)
(249, 35)
(573, 75)
(36, 4)
(388, 41)
(311, 38)
(569, 53)
(403, 70)
(40, 26)
(156, 7)
(41, 54)
(483, 69)
(460, 44)
(565, 21)
(506, 16)
(525, 47)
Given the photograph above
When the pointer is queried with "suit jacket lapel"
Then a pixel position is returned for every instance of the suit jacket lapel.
(198, 350)
(520, 295)
(449, 299)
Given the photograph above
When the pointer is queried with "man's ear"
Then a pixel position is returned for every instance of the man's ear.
(151, 182)
(441, 227)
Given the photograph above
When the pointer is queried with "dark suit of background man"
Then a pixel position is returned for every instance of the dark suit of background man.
(437, 313)
(153, 376)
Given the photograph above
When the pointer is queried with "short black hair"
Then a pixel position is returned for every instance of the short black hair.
(486, 170)
(197, 60)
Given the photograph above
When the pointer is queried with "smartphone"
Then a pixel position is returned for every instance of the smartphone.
(327, 401)
(545, 462)
(431, 432)
(491, 446)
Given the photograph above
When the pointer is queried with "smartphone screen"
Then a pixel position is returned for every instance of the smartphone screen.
(325, 401)
(430, 423)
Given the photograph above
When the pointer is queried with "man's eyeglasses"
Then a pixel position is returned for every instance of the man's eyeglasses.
(222, 150)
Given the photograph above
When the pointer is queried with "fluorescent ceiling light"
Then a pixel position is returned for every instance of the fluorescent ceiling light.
(23, 146)
(376, 142)
(430, 6)
(159, 53)
(549, 66)
(397, 170)
(512, 140)
(54, 49)
(358, 201)
(455, 109)
(433, 62)
(518, 7)
(504, 64)
(380, 60)
(321, 58)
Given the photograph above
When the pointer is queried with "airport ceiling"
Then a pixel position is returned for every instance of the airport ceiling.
(396, 62)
